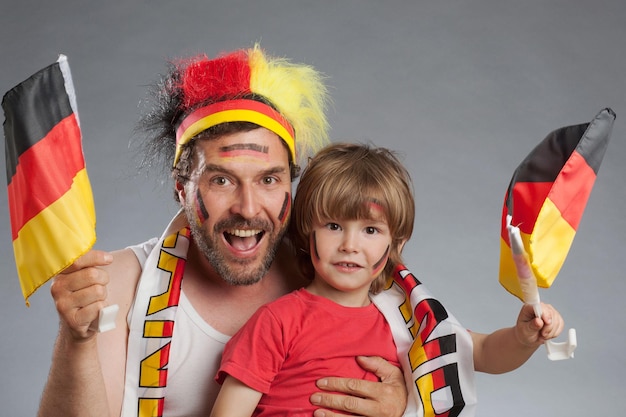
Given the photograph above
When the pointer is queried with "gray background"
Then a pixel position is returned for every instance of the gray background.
(463, 89)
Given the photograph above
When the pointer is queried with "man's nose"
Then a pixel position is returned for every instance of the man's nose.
(247, 203)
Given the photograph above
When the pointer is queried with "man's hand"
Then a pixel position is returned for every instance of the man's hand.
(79, 293)
(386, 398)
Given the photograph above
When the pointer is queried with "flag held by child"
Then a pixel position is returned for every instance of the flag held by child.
(50, 199)
(547, 196)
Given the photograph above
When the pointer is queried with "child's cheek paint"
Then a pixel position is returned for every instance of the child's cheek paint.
(314, 253)
(283, 216)
(201, 212)
(378, 266)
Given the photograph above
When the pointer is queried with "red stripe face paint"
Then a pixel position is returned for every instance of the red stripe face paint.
(382, 262)
(245, 150)
(201, 212)
(283, 216)
(375, 206)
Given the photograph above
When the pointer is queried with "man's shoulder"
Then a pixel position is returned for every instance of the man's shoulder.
(124, 274)
(142, 250)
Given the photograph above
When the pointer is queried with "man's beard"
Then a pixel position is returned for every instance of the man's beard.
(232, 270)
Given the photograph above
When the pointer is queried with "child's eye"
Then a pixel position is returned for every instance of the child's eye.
(333, 226)
(370, 230)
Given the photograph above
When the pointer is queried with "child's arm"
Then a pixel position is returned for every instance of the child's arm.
(507, 349)
(235, 399)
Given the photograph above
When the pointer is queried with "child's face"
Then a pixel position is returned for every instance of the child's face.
(349, 254)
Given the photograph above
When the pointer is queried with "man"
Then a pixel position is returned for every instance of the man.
(231, 126)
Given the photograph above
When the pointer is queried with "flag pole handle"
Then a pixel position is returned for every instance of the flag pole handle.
(528, 282)
(562, 350)
(106, 318)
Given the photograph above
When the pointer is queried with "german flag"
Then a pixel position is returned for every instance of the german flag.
(547, 196)
(51, 205)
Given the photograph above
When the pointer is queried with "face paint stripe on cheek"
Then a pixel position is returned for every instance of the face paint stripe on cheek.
(201, 210)
(382, 261)
(284, 211)
(314, 246)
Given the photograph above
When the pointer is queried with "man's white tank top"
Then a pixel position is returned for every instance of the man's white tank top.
(195, 356)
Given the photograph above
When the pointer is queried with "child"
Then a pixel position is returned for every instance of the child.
(352, 214)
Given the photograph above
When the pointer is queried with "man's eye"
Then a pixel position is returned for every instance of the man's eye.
(219, 181)
(269, 180)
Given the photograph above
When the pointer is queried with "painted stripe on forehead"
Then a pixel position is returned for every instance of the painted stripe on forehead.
(245, 149)
(284, 211)
(382, 261)
(375, 204)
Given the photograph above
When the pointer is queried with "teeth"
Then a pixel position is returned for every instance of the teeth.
(243, 233)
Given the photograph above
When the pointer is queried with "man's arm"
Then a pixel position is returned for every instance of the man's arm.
(375, 399)
(78, 383)
(75, 384)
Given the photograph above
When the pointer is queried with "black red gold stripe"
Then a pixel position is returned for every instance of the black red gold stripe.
(547, 196)
(50, 198)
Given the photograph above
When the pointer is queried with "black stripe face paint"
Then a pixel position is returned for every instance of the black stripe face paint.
(201, 210)
(314, 246)
(284, 211)
(382, 261)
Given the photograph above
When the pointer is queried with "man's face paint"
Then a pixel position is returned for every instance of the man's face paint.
(201, 212)
(253, 151)
(283, 216)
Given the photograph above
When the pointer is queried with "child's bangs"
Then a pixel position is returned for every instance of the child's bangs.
(348, 199)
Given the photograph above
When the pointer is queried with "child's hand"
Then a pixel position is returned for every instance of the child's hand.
(533, 331)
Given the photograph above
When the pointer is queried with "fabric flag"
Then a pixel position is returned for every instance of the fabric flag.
(51, 204)
(547, 196)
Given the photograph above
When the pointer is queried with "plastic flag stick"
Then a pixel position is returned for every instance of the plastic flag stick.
(528, 283)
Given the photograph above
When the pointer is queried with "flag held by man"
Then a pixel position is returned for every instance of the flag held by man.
(50, 199)
(547, 196)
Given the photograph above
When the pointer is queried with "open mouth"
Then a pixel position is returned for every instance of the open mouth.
(243, 239)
